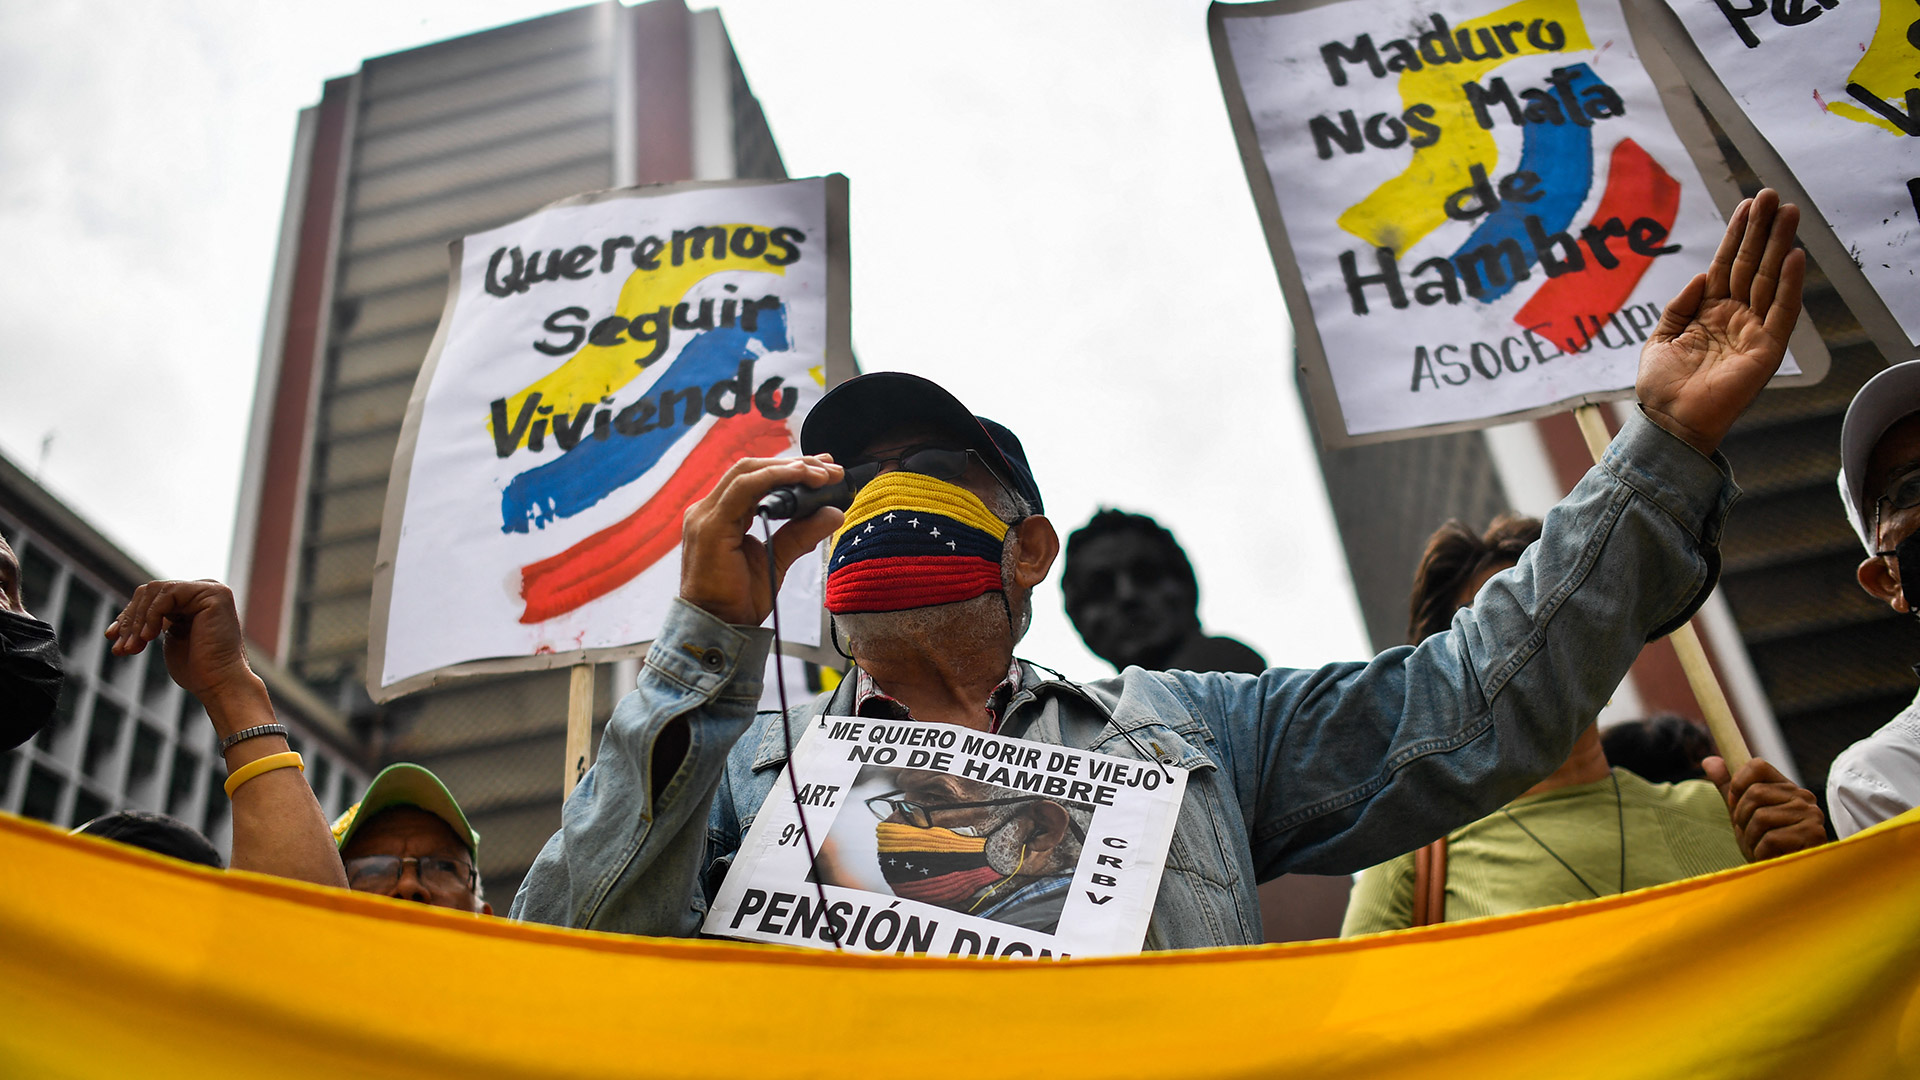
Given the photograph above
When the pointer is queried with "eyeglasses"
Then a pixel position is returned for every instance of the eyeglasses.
(939, 462)
(379, 873)
(1902, 494)
(920, 815)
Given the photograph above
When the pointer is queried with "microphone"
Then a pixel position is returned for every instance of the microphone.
(799, 500)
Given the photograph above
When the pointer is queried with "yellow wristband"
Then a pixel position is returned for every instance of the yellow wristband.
(283, 760)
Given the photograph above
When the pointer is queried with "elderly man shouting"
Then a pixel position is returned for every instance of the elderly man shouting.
(1321, 771)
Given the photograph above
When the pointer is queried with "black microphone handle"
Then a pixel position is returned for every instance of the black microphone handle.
(798, 500)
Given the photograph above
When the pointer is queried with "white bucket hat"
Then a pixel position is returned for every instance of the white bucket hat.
(1889, 397)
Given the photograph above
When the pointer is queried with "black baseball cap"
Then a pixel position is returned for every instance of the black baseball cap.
(859, 410)
(157, 833)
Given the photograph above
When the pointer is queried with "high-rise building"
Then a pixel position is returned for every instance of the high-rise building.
(1809, 661)
(412, 151)
(123, 736)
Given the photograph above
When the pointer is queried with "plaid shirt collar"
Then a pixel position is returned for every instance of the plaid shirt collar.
(870, 701)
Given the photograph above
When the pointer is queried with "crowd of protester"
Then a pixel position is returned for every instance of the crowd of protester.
(1591, 828)
(1462, 775)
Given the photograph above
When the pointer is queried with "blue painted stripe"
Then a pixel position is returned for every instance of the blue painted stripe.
(1561, 155)
(595, 468)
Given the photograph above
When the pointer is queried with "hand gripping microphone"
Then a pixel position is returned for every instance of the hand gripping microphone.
(799, 500)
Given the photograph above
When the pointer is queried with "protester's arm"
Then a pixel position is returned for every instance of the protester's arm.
(278, 826)
(631, 850)
(1772, 815)
(1353, 764)
(1874, 780)
(1382, 899)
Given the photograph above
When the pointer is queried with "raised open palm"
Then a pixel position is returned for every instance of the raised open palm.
(1724, 336)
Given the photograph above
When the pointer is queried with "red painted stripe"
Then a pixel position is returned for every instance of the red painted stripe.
(1637, 187)
(619, 553)
(895, 584)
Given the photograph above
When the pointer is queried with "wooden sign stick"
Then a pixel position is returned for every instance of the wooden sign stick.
(1686, 642)
(579, 726)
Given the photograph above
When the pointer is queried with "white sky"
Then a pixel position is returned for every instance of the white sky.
(1049, 218)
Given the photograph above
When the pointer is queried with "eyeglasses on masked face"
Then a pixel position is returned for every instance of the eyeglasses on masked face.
(380, 873)
(939, 461)
(1903, 493)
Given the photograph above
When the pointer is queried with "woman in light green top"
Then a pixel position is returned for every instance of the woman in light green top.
(1589, 830)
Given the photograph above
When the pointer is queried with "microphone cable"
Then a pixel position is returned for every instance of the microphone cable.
(786, 733)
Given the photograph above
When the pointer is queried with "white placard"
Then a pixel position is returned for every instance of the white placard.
(1834, 88)
(1484, 206)
(599, 365)
(936, 839)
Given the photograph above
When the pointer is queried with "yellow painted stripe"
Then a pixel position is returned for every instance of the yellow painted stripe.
(596, 371)
(1887, 69)
(1406, 208)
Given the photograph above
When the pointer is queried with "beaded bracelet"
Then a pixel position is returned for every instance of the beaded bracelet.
(257, 730)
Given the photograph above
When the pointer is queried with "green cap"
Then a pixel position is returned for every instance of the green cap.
(406, 784)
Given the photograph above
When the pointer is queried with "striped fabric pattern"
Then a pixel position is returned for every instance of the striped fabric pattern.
(913, 541)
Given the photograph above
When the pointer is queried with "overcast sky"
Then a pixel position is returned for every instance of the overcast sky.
(1049, 218)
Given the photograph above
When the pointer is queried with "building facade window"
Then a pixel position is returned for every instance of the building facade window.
(124, 737)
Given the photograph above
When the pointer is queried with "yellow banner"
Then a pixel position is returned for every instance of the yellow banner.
(114, 963)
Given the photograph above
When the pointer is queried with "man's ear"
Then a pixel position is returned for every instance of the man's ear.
(1039, 546)
(1046, 823)
(1880, 577)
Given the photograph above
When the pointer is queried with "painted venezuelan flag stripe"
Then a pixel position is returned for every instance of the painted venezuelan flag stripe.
(1636, 187)
(619, 553)
(871, 585)
(1406, 208)
(1885, 74)
(1561, 155)
(596, 467)
(598, 370)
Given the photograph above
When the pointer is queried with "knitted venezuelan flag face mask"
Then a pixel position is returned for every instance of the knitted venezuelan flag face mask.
(936, 865)
(913, 541)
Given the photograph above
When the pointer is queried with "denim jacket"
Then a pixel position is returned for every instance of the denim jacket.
(1323, 772)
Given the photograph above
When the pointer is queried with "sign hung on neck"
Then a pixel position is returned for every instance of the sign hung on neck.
(598, 366)
(941, 840)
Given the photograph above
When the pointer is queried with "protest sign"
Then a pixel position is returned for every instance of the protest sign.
(937, 839)
(1477, 209)
(1823, 100)
(598, 366)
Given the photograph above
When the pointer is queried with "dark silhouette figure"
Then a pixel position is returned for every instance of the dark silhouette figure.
(1132, 596)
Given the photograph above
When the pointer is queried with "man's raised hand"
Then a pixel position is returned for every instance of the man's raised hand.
(1724, 336)
(203, 648)
(723, 566)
